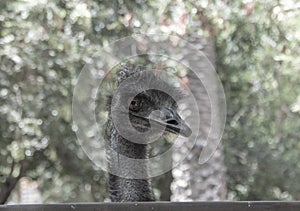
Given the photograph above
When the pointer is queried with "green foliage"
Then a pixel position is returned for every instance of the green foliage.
(256, 59)
(45, 44)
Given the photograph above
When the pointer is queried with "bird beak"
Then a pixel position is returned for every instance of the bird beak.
(171, 120)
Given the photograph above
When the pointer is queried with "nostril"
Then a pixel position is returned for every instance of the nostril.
(172, 122)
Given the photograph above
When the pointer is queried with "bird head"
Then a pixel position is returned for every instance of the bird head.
(157, 108)
(149, 104)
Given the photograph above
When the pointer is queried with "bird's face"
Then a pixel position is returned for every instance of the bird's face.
(142, 111)
(156, 108)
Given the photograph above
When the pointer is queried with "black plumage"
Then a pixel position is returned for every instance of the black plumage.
(141, 108)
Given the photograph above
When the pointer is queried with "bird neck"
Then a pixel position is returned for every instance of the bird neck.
(127, 189)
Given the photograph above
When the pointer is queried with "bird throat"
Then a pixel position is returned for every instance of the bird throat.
(126, 189)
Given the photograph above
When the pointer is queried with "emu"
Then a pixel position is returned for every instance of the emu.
(141, 110)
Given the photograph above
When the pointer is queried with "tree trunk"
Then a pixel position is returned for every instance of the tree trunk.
(194, 181)
(6, 188)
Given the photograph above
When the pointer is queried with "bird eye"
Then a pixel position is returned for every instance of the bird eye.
(135, 104)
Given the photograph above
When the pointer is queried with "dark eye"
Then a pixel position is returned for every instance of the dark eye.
(135, 104)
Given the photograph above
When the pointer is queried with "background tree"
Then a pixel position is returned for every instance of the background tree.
(256, 46)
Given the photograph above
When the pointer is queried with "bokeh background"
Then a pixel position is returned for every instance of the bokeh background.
(254, 45)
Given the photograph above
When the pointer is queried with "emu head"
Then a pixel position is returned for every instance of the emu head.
(145, 107)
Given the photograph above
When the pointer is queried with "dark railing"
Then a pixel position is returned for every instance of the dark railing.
(167, 206)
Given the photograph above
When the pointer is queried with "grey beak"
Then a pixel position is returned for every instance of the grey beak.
(171, 120)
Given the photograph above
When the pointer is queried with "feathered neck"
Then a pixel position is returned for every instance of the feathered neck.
(124, 189)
